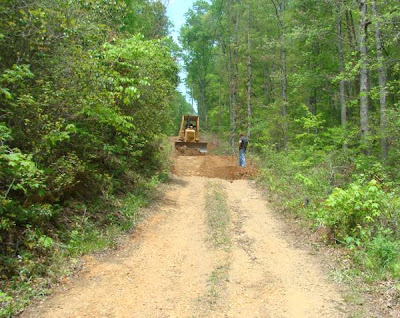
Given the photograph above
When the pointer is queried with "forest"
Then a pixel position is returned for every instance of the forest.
(88, 96)
(315, 86)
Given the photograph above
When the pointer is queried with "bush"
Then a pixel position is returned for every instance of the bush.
(356, 211)
(364, 217)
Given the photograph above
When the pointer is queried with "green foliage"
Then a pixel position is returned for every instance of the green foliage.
(180, 107)
(365, 218)
(146, 17)
(85, 103)
(197, 41)
(65, 173)
(356, 211)
(26, 176)
(381, 255)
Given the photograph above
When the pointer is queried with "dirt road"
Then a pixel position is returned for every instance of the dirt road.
(171, 268)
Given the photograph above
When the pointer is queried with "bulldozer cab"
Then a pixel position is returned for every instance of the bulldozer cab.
(191, 125)
(189, 130)
(189, 136)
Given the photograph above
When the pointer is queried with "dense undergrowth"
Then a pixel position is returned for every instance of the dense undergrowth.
(352, 202)
(47, 251)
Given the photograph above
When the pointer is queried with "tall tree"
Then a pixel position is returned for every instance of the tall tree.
(342, 97)
(364, 92)
(249, 72)
(382, 80)
(234, 15)
(197, 42)
(280, 6)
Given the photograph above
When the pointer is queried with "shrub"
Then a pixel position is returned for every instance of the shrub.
(355, 211)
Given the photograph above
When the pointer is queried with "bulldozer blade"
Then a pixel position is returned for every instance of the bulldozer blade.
(200, 146)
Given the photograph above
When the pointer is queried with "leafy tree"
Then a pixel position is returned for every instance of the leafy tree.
(87, 92)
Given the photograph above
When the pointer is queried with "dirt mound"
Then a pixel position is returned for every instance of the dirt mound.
(226, 167)
(181, 151)
(190, 163)
(222, 167)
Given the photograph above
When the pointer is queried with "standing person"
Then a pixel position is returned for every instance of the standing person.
(243, 142)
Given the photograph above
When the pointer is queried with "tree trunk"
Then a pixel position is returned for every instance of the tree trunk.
(364, 126)
(191, 95)
(284, 97)
(343, 113)
(203, 112)
(279, 9)
(382, 81)
(284, 82)
(351, 30)
(267, 85)
(219, 104)
(232, 113)
(249, 75)
(235, 75)
(351, 34)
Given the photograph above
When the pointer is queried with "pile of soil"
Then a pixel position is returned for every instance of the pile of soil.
(190, 162)
(210, 166)
(188, 152)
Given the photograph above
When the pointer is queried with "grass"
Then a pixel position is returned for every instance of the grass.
(217, 282)
(219, 224)
(218, 215)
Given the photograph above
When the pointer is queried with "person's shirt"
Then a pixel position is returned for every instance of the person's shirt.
(243, 143)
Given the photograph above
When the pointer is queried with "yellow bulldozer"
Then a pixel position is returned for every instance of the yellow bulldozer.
(189, 136)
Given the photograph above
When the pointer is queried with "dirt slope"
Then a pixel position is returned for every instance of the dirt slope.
(168, 269)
